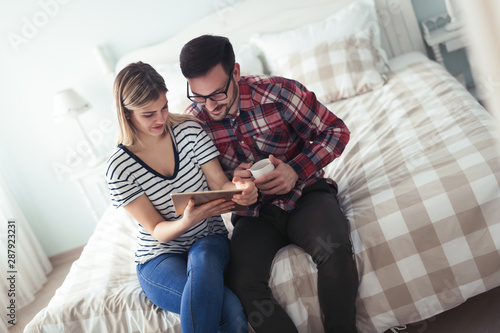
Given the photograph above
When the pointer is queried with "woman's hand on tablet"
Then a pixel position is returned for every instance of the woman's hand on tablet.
(195, 214)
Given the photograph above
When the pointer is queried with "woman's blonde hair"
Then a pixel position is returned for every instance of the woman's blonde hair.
(137, 86)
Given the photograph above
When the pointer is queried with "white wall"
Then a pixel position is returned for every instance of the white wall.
(46, 46)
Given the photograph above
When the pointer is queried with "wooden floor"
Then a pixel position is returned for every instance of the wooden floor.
(60, 268)
(480, 314)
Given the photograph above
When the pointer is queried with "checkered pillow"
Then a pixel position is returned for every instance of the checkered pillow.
(339, 69)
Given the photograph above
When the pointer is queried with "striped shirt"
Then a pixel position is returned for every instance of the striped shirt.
(129, 177)
(281, 117)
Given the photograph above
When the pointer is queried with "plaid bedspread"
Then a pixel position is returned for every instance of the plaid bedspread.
(419, 183)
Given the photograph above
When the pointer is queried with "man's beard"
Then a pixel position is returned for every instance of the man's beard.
(220, 116)
(225, 108)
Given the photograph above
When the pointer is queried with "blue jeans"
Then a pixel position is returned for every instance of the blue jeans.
(192, 285)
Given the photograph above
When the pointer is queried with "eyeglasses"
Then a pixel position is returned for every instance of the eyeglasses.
(218, 96)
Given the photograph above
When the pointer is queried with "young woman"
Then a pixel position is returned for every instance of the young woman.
(180, 260)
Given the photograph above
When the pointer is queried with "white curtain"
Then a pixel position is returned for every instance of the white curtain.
(482, 18)
(29, 271)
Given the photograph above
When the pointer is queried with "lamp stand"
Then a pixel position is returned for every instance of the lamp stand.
(94, 157)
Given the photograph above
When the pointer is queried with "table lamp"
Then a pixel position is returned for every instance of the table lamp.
(69, 104)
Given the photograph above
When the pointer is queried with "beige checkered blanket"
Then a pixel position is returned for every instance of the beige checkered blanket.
(419, 183)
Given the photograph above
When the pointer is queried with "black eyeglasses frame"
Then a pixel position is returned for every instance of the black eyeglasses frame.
(196, 98)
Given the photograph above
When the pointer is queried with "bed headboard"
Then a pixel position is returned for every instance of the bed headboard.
(398, 25)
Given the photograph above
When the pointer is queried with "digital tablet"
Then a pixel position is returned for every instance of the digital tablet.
(180, 200)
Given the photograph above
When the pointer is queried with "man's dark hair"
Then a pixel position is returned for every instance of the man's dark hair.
(203, 53)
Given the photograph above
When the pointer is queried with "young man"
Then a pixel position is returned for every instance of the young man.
(255, 117)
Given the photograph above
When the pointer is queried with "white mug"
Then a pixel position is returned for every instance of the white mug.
(261, 168)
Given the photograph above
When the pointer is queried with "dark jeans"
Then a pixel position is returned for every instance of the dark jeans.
(319, 227)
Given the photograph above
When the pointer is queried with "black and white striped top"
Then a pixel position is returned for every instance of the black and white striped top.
(129, 177)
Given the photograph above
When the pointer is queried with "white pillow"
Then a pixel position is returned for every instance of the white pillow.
(335, 70)
(248, 56)
(176, 85)
(361, 15)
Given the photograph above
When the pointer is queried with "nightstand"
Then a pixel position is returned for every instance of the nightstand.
(452, 40)
(438, 38)
(92, 184)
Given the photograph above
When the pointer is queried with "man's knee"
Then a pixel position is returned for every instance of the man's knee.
(328, 250)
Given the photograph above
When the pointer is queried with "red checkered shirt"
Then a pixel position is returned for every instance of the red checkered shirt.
(281, 117)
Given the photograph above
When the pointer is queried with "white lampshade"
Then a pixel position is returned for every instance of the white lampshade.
(69, 104)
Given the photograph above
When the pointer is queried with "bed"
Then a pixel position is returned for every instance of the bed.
(418, 181)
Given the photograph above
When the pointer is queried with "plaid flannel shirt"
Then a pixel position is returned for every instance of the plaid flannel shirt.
(281, 117)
